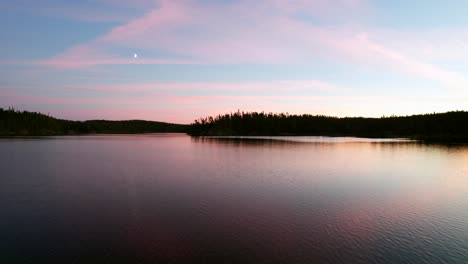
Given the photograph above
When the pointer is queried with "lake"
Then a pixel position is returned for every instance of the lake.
(162, 198)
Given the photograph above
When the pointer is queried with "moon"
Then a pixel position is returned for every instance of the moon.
(135, 56)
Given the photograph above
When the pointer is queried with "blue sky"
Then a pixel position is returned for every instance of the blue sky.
(75, 59)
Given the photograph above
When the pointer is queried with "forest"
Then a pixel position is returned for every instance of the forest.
(24, 123)
(449, 126)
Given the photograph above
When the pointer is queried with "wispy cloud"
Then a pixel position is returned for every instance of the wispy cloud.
(361, 47)
(243, 32)
(184, 108)
(250, 32)
(268, 87)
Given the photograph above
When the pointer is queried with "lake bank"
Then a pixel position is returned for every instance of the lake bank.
(450, 126)
(437, 127)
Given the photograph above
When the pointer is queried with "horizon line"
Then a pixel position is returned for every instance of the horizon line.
(238, 111)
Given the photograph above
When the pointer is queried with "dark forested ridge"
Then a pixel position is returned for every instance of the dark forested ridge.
(450, 126)
(23, 123)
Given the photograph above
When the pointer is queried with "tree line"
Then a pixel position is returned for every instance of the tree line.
(435, 126)
(24, 123)
(449, 126)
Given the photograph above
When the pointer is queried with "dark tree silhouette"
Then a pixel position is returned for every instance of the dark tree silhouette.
(23, 123)
(450, 126)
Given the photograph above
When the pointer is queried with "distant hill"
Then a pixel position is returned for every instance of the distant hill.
(450, 126)
(23, 123)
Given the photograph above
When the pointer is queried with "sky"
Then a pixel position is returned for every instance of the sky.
(178, 60)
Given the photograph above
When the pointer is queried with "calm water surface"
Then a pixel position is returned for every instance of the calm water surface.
(172, 198)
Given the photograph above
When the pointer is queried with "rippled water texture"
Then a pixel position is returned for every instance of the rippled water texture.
(172, 198)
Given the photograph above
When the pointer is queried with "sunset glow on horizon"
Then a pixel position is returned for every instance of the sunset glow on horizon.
(176, 61)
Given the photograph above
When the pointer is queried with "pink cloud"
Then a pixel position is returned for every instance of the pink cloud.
(429, 44)
(323, 8)
(252, 32)
(255, 32)
(221, 34)
(88, 55)
(185, 108)
(168, 13)
(65, 63)
(269, 87)
(360, 47)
